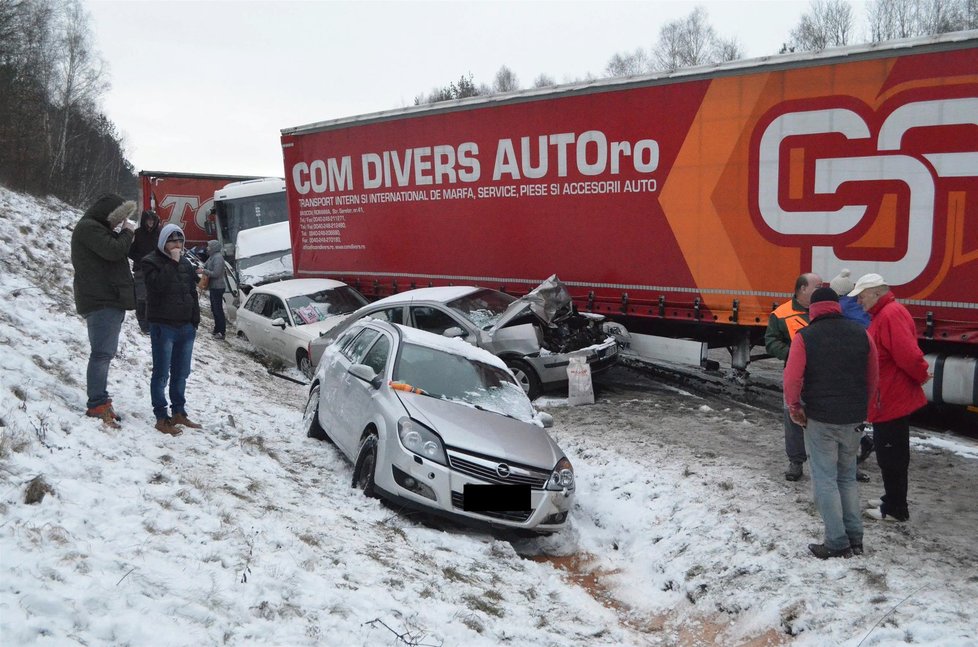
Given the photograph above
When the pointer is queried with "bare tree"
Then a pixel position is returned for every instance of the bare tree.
(78, 79)
(892, 19)
(691, 41)
(628, 64)
(544, 81)
(827, 23)
(505, 81)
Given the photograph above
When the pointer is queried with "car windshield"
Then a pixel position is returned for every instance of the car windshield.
(483, 308)
(450, 376)
(310, 308)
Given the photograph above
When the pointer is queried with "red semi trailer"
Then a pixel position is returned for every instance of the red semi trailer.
(185, 199)
(682, 204)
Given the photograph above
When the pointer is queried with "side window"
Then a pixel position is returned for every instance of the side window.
(376, 357)
(355, 350)
(256, 303)
(393, 315)
(432, 319)
(274, 308)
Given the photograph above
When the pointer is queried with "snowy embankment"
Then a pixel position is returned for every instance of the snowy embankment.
(247, 532)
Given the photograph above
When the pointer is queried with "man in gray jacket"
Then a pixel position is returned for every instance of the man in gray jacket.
(214, 271)
(103, 291)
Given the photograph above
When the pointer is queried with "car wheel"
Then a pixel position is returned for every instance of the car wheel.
(526, 376)
(305, 364)
(366, 465)
(310, 417)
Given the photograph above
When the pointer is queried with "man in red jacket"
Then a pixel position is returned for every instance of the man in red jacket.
(903, 370)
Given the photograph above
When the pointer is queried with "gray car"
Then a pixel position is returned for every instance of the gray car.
(535, 335)
(436, 424)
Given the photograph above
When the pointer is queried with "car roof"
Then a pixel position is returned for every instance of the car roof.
(440, 294)
(295, 287)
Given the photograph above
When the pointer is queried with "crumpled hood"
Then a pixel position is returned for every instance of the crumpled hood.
(483, 432)
(544, 301)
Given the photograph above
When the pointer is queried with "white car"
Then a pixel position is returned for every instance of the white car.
(436, 424)
(281, 318)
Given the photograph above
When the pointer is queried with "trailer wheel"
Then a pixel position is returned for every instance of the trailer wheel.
(526, 376)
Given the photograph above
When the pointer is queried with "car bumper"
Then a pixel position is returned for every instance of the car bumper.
(553, 368)
(548, 508)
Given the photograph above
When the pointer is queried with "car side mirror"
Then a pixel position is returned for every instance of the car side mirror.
(454, 331)
(365, 373)
(546, 419)
(279, 322)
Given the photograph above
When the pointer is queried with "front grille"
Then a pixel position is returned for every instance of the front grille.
(458, 501)
(484, 469)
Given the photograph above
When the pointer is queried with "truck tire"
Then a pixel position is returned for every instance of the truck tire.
(526, 376)
(366, 465)
(310, 417)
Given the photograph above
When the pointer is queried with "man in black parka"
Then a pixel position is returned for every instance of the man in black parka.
(103, 290)
(144, 241)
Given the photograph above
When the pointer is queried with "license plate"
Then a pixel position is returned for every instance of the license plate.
(496, 498)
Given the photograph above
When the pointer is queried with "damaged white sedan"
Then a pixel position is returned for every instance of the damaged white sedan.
(435, 424)
(535, 335)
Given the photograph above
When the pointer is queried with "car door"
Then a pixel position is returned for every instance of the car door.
(436, 320)
(337, 387)
(359, 396)
(273, 337)
(250, 315)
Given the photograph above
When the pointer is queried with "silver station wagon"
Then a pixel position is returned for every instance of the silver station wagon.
(535, 335)
(433, 423)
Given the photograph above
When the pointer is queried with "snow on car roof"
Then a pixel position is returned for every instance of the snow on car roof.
(441, 294)
(295, 287)
(454, 345)
(262, 240)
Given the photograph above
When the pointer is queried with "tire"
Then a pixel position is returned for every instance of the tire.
(305, 365)
(310, 417)
(526, 376)
(366, 465)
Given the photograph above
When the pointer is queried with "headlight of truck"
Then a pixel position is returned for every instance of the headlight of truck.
(562, 477)
(420, 440)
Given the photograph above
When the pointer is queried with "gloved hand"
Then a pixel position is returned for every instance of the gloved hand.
(175, 254)
(129, 224)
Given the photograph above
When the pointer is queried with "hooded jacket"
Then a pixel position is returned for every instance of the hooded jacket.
(214, 266)
(144, 240)
(903, 368)
(98, 256)
(171, 286)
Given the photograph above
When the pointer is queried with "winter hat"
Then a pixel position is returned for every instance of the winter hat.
(213, 246)
(824, 294)
(867, 281)
(169, 230)
(842, 284)
(111, 209)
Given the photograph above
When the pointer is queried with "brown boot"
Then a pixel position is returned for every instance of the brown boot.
(183, 420)
(104, 411)
(165, 425)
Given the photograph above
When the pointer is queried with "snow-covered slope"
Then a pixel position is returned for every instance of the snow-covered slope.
(247, 532)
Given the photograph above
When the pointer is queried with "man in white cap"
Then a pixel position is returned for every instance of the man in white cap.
(903, 370)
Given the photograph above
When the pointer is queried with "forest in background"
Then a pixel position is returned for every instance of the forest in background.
(55, 140)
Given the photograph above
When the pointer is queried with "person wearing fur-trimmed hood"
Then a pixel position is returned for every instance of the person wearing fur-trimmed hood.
(173, 312)
(103, 290)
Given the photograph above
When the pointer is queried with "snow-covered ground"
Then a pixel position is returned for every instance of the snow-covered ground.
(247, 532)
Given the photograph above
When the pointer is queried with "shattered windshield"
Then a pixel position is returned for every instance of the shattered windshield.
(310, 308)
(483, 308)
(453, 377)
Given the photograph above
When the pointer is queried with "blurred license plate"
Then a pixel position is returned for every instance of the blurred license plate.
(495, 498)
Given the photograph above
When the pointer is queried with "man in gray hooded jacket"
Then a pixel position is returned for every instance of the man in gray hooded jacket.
(214, 271)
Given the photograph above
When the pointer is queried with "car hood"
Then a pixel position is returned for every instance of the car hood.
(314, 330)
(483, 432)
(545, 301)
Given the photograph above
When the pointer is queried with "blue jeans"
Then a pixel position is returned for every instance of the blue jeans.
(832, 451)
(794, 440)
(173, 346)
(217, 307)
(103, 338)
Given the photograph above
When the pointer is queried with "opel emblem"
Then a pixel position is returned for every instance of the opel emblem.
(502, 470)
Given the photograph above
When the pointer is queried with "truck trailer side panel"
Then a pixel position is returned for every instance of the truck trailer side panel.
(697, 198)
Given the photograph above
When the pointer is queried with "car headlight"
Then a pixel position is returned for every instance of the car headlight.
(418, 439)
(562, 477)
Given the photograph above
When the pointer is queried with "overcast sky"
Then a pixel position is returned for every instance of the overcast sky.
(205, 87)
